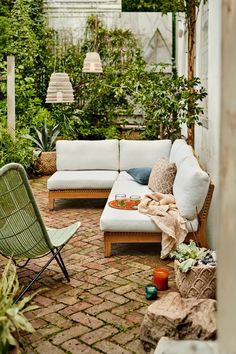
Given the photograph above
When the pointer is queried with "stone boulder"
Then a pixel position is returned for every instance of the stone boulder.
(179, 318)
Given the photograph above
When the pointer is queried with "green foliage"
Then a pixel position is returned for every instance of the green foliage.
(163, 6)
(5, 10)
(188, 255)
(15, 151)
(100, 100)
(153, 5)
(45, 139)
(168, 101)
(12, 318)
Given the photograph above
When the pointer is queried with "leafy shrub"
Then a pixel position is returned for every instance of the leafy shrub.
(19, 150)
(100, 100)
(168, 101)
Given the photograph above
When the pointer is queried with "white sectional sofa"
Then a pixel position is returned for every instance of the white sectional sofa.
(97, 169)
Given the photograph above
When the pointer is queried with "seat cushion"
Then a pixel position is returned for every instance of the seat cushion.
(179, 151)
(190, 187)
(82, 180)
(142, 153)
(124, 176)
(87, 155)
(115, 220)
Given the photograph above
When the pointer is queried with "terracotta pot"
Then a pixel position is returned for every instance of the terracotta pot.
(46, 163)
(199, 281)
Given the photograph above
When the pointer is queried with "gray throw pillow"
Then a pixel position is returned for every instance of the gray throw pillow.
(140, 175)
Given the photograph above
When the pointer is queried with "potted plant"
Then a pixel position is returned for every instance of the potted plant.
(195, 270)
(12, 319)
(45, 141)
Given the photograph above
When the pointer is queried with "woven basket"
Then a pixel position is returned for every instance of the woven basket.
(46, 163)
(199, 281)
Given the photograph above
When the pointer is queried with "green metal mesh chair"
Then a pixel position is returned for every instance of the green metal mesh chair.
(23, 234)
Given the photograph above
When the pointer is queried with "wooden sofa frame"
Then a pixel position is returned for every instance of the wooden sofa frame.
(76, 194)
(148, 237)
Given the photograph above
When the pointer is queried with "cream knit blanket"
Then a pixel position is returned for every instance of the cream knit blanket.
(163, 211)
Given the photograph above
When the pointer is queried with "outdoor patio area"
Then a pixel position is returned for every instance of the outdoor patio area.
(117, 176)
(102, 308)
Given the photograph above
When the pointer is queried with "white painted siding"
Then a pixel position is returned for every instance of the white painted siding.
(71, 15)
(153, 31)
(208, 63)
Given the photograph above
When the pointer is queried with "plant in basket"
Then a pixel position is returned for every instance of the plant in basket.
(45, 141)
(195, 270)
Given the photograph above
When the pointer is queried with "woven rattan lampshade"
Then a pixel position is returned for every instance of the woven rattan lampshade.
(92, 63)
(59, 89)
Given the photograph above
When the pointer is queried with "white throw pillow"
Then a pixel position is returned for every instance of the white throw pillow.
(142, 153)
(190, 187)
(179, 151)
(87, 155)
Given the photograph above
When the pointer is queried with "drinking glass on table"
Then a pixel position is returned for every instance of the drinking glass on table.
(120, 196)
(135, 197)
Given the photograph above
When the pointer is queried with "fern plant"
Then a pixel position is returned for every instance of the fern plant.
(12, 318)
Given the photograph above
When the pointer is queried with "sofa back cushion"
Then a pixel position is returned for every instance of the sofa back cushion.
(190, 187)
(142, 153)
(87, 155)
(179, 151)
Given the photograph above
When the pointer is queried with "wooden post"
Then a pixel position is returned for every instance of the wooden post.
(191, 20)
(11, 120)
(227, 191)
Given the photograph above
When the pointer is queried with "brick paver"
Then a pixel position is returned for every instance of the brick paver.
(101, 309)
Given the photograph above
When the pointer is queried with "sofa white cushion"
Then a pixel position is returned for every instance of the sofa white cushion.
(124, 176)
(82, 179)
(115, 220)
(142, 153)
(179, 151)
(190, 187)
(87, 155)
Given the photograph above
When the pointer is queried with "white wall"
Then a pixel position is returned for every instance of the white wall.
(207, 137)
(208, 66)
(153, 31)
(71, 15)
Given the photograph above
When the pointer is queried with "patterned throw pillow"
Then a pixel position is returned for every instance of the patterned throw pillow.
(162, 177)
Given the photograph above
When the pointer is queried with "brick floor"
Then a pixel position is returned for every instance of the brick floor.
(101, 309)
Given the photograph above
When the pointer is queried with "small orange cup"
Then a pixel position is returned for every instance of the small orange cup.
(160, 278)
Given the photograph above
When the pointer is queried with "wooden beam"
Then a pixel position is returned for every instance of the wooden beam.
(11, 120)
(191, 20)
(226, 283)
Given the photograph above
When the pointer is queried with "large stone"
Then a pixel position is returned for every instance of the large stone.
(179, 318)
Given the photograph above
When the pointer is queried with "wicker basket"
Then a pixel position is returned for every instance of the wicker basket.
(199, 282)
(46, 163)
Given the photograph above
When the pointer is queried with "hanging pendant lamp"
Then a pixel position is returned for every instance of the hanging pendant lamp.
(92, 63)
(59, 89)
